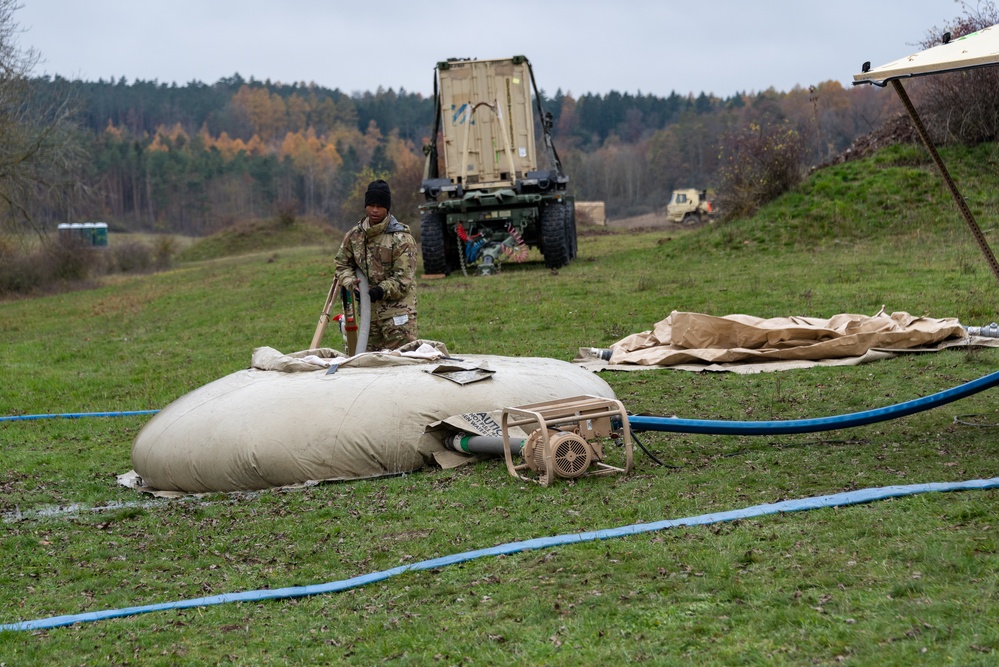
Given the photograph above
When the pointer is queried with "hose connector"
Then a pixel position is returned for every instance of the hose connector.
(988, 331)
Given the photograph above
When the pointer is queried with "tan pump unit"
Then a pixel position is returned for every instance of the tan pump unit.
(567, 439)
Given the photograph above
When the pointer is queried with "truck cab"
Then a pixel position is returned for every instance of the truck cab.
(688, 206)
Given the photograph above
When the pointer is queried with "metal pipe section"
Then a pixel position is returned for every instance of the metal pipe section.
(482, 444)
(717, 427)
(962, 205)
(988, 331)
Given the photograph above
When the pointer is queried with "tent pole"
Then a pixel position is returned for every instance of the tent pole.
(962, 205)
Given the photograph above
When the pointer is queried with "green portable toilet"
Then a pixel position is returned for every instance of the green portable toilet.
(65, 233)
(101, 234)
(88, 233)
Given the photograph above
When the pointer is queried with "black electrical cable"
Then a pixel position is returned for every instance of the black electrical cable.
(650, 454)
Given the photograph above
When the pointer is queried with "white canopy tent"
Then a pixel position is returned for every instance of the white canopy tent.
(975, 50)
(979, 49)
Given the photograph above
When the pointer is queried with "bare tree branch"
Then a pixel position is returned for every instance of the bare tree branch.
(41, 151)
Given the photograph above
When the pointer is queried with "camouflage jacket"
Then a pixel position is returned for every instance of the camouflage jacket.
(386, 253)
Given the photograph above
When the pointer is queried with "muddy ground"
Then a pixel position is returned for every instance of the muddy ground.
(649, 221)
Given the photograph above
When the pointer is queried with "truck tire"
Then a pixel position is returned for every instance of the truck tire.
(554, 237)
(433, 232)
(570, 231)
(691, 219)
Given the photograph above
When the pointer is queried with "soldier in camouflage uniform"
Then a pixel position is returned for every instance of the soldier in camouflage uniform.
(383, 248)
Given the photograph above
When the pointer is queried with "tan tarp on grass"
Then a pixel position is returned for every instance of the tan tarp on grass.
(743, 343)
(297, 423)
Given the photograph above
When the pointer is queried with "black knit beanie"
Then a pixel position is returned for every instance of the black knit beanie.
(378, 193)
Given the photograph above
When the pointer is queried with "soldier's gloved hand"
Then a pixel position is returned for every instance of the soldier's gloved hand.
(348, 285)
(376, 293)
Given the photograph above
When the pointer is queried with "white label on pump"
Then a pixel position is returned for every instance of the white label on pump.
(399, 320)
(523, 152)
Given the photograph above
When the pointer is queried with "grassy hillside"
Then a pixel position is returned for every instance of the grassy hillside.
(913, 580)
(254, 235)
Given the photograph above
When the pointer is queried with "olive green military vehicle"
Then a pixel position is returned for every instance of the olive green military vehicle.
(493, 200)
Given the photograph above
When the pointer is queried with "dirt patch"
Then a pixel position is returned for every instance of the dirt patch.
(897, 130)
(649, 221)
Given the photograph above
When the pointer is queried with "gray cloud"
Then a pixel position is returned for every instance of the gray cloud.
(715, 46)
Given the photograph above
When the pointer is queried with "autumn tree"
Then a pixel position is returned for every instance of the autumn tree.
(407, 174)
(353, 204)
(266, 111)
(616, 173)
(962, 106)
(760, 162)
(317, 162)
(685, 154)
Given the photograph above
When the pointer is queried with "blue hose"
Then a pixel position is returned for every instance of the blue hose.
(817, 502)
(77, 415)
(472, 250)
(713, 426)
(718, 427)
(638, 423)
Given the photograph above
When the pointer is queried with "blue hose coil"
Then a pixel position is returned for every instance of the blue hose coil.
(472, 250)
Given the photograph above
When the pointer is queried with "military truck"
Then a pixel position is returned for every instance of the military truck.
(493, 200)
(688, 206)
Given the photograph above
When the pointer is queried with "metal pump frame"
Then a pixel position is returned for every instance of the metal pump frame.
(590, 415)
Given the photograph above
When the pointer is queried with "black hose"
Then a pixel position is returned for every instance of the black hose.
(650, 454)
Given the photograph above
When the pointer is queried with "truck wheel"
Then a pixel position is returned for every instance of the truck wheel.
(433, 232)
(554, 237)
(691, 219)
(570, 231)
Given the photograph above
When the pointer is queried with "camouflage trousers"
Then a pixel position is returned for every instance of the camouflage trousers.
(391, 334)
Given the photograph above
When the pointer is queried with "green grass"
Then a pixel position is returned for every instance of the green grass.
(250, 235)
(907, 581)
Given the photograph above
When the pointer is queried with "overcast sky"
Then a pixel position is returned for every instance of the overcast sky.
(652, 46)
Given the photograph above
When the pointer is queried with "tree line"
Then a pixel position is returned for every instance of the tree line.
(194, 158)
(197, 157)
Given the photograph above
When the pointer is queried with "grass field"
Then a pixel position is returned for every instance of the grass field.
(907, 581)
